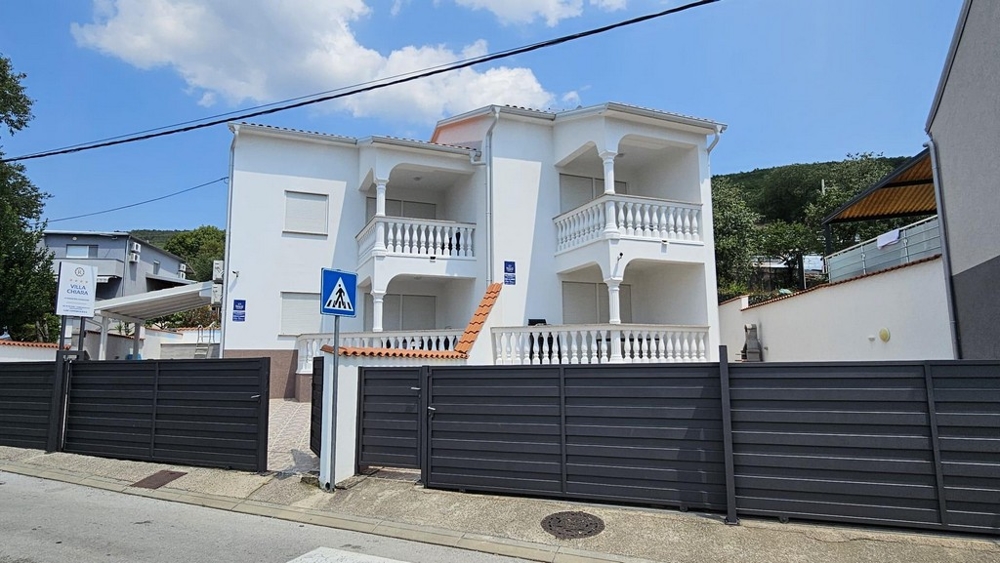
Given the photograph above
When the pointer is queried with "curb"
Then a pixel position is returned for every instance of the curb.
(397, 530)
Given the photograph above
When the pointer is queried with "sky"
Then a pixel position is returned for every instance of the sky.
(795, 80)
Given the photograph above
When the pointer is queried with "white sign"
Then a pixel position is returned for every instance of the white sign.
(77, 290)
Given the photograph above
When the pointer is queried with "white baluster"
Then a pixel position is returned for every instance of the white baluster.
(695, 230)
(687, 224)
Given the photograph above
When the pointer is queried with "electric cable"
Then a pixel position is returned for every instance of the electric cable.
(141, 202)
(351, 90)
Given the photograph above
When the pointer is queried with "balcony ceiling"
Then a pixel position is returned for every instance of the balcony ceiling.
(907, 191)
(419, 178)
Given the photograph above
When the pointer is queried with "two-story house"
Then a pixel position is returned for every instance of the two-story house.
(125, 264)
(597, 221)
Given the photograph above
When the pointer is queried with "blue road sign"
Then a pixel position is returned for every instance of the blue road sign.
(339, 292)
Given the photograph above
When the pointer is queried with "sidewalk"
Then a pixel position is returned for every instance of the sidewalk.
(389, 503)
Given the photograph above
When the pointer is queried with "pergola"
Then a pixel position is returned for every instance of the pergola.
(138, 308)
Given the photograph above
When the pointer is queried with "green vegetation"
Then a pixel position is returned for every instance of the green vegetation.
(27, 287)
(155, 237)
(777, 213)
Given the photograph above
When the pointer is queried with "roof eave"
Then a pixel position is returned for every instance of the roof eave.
(831, 218)
(949, 61)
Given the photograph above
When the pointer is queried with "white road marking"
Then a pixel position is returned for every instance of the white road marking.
(330, 555)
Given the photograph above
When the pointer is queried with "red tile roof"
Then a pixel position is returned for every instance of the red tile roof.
(29, 344)
(462, 349)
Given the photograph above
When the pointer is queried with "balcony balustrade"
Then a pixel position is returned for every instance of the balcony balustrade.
(309, 345)
(599, 344)
(404, 236)
(629, 216)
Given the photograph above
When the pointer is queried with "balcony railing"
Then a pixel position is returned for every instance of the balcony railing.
(915, 241)
(417, 237)
(599, 344)
(309, 345)
(629, 216)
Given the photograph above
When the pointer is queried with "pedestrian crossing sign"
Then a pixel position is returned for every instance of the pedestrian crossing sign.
(339, 291)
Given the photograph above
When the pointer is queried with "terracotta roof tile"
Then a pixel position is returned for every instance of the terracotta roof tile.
(462, 348)
(30, 344)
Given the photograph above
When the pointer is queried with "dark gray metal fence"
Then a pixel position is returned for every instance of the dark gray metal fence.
(316, 408)
(910, 444)
(25, 402)
(193, 412)
(388, 419)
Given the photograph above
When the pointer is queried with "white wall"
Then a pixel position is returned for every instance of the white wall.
(731, 325)
(669, 294)
(841, 322)
(16, 353)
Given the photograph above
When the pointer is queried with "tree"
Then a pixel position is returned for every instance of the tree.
(737, 238)
(788, 242)
(27, 286)
(199, 248)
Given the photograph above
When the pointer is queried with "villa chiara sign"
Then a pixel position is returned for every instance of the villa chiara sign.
(77, 290)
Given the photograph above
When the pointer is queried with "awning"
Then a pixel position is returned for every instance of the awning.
(169, 279)
(154, 304)
(906, 192)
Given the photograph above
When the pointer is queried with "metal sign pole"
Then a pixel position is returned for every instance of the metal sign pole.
(327, 442)
(83, 332)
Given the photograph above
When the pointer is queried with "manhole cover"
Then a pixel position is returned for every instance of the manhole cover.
(572, 525)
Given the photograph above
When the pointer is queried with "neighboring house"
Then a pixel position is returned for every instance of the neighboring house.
(596, 221)
(125, 265)
(964, 127)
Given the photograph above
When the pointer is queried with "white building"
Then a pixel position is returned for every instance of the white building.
(597, 221)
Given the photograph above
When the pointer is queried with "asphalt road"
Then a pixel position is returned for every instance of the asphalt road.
(51, 522)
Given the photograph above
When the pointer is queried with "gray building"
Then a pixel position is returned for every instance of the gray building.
(964, 127)
(125, 264)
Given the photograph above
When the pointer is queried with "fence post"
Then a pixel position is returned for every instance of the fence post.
(727, 437)
(152, 425)
(562, 425)
(935, 444)
(423, 425)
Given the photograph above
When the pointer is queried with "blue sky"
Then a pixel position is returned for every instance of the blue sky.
(795, 80)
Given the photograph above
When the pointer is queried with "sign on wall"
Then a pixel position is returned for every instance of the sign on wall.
(509, 272)
(239, 310)
(77, 290)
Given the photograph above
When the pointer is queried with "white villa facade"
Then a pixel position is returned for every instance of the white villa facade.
(597, 221)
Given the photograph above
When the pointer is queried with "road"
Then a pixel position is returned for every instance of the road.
(48, 521)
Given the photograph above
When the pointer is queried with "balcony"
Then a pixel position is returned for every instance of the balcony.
(404, 236)
(309, 345)
(914, 242)
(600, 344)
(630, 217)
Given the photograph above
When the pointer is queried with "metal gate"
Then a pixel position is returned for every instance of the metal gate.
(389, 417)
(649, 434)
(193, 412)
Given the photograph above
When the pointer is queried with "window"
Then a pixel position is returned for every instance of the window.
(156, 267)
(299, 313)
(400, 208)
(587, 303)
(306, 213)
(576, 191)
(404, 312)
(81, 251)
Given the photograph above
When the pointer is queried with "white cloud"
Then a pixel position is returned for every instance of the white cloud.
(266, 50)
(526, 11)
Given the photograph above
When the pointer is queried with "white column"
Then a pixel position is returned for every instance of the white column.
(609, 171)
(102, 348)
(377, 298)
(614, 301)
(379, 213)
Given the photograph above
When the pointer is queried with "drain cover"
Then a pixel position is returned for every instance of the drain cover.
(158, 479)
(572, 525)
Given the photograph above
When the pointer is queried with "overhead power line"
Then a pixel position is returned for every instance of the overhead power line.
(357, 89)
(137, 204)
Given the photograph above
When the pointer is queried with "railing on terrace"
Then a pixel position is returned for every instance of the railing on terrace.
(599, 344)
(418, 237)
(916, 241)
(309, 345)
(630, 216)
